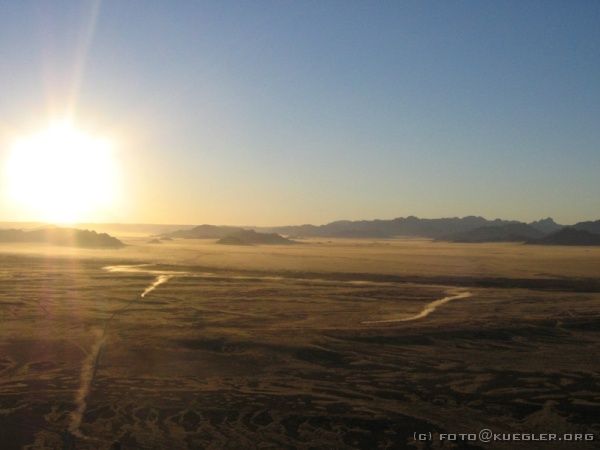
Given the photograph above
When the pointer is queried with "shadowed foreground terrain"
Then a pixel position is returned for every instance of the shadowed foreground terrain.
(232, 358)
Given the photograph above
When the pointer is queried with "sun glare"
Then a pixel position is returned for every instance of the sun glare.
(62, 175)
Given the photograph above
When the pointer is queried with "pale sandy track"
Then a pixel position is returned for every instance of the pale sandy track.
(428, 309)
(90, 363)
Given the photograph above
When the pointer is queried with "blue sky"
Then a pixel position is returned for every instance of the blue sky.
(292, 112)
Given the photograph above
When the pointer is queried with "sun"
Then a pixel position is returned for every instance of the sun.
(62, 175)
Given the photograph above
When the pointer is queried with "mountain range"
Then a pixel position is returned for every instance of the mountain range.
(568, 236)
(415, 227)
(454, 229)
(470, 229)
(509, 232)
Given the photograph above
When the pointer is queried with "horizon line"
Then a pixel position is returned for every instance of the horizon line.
(74, 224)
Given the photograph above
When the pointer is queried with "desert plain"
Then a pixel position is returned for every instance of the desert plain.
(328, 344)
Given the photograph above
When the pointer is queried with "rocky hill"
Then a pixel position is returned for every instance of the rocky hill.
(251, 237)
(69, 237)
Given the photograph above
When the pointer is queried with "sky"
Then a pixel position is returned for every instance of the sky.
(272, 113)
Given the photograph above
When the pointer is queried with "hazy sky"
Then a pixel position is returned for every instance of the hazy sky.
(309, 111)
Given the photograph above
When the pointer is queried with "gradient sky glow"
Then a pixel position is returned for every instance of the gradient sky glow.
(305, 112)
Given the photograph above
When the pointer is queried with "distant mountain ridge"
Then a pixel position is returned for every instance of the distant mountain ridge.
(547, 225)
(402, 226)
(511, 232)
(533, 233)
(592, 227)
(204, 232)
(454, 229)
(409, 226)
(568, 236)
